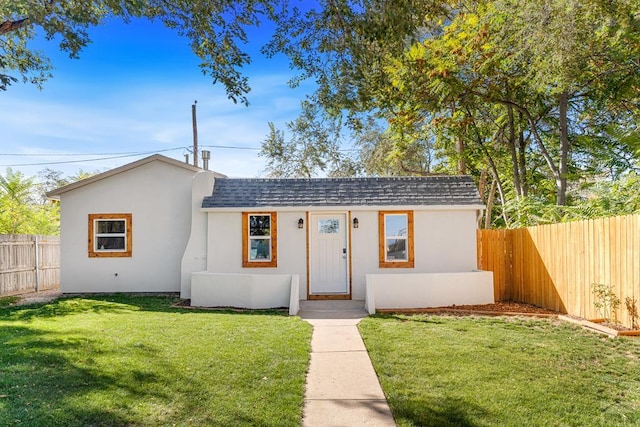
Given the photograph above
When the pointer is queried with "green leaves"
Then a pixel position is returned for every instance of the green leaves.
(314, 146)
(216, 31)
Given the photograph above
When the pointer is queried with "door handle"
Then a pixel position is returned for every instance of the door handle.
(344, 250)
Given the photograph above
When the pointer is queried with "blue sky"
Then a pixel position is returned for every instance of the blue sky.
(132, 91)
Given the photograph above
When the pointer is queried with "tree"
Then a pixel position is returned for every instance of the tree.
(24, 208)
(216, 30)
(50, 179)
(314, 146)
(534, 97)
(16, 201)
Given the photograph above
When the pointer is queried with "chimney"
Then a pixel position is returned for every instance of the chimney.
(206, 155)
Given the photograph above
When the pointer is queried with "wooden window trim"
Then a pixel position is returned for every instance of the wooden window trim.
(127, 253)
(246, 262)
(410, 262)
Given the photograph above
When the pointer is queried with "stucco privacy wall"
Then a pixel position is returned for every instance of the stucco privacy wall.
(225, 246)
(391, 291)
(158, 195)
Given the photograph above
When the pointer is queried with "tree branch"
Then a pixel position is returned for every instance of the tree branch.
(8, 26)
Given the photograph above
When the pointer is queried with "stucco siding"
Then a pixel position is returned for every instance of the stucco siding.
(158, 195)
(224, 253)
(444, 242)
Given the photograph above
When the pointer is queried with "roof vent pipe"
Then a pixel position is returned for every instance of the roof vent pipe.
(206, 155)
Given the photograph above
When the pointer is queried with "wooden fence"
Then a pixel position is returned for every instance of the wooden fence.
(554, 266)
(28, 263)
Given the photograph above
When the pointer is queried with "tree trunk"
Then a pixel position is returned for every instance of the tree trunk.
(536, 136)
(462, 166)
(561, 179)
(496, 179)
(522, 159)
(517, 186)
(487, 215)
(482, 188)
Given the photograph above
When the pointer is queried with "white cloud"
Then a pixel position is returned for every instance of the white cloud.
(92, 119)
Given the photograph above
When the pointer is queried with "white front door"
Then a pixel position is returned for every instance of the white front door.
(328, 254)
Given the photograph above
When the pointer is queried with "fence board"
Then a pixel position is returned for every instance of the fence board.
(18, 270)
(554, 266)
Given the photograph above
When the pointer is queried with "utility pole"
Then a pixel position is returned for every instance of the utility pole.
(195, 133)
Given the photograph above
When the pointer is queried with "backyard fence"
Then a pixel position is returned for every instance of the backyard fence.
(28, 263)
(554, 266)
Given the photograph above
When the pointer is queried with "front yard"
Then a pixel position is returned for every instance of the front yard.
(482, 371)
(126, 360)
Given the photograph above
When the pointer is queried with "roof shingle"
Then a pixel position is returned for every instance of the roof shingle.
(400, 191)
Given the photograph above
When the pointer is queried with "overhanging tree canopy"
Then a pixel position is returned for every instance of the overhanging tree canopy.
(216, 30)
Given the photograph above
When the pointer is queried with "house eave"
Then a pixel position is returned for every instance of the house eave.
(55, 194)
(342, 208)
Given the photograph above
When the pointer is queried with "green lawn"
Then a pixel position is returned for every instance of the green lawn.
(125, 360)
(479, 371)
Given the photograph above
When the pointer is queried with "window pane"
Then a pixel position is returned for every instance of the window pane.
(116, 226)
(110, 243)
(395, 225)
(259, 225)
(397, 249)
(328, 226)
(260, 250)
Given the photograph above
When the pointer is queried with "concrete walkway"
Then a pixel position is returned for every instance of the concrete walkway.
(342, 387)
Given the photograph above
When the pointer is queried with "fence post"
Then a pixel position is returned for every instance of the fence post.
(37, 261)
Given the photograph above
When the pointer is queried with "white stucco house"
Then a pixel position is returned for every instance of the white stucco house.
(160, 225)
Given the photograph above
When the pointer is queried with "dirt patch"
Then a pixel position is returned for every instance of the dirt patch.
(38, 297)
(506, 308)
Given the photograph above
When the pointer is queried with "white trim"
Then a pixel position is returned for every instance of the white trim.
(317, 216)
(268, 238)
(55, 194)
(330, 209)
(398, 237)
(97, 235)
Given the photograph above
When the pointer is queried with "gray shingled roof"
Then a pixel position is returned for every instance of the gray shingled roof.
(400, 191)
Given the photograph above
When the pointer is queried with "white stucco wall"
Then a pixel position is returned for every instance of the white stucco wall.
(423, 290)
(243, 290)
(224, 253)
(194, 258)
(445, 242)
(158, 195)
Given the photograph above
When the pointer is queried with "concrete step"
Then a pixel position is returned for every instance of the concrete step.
(332, 305)
(334, 312)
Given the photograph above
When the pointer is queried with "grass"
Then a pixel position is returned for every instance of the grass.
(478, 371)
(7, 301)
(124, 360)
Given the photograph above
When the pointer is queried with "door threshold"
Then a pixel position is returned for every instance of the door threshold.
(329, 296)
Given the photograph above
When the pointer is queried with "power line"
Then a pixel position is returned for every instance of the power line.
(231, 147)
(129, 153)
(74, 161)
(109, 156)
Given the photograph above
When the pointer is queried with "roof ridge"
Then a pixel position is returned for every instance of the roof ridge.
(348, 178)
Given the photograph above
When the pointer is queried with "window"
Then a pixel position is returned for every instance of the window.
(259, 239)
(328, 226)
(395, 234)
(110, 235)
